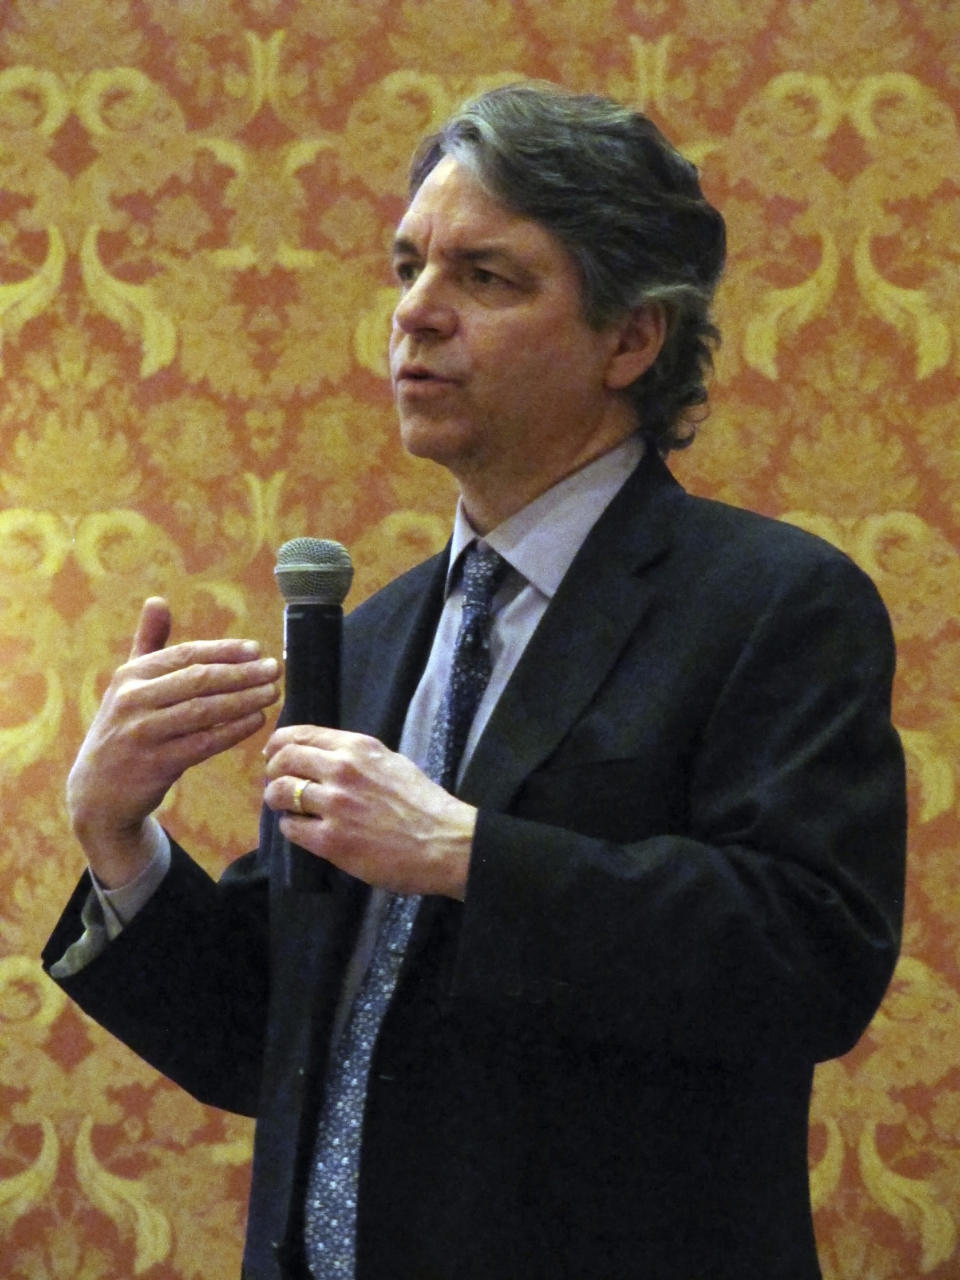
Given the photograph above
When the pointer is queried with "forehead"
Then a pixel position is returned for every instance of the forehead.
(453, 212)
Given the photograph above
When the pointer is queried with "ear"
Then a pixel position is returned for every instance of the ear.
(641, 335)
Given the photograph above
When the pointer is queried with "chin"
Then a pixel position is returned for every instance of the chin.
(444, 443)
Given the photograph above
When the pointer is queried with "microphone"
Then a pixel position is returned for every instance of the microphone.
(314, 576)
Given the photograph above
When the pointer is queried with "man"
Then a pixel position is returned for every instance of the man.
(579, 989)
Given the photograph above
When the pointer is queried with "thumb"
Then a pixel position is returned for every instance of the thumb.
(153, 628)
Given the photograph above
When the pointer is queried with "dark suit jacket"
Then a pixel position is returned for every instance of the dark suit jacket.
(685, 890)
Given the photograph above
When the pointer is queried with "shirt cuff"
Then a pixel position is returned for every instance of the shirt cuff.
(119, 906)
(107, 911)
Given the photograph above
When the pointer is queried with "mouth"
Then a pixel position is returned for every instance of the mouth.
(414, 383)
(416, 373)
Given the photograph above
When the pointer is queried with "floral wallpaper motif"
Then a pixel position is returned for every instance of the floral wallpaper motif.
(196, 197)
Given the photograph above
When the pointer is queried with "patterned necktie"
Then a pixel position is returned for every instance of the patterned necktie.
(483, 570)
(331, 1211)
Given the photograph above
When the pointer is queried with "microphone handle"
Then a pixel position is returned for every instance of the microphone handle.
(311, 649)
(311, 653)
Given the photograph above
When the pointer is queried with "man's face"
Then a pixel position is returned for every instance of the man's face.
(496, 374)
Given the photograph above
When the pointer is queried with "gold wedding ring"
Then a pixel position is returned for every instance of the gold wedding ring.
(298, 791)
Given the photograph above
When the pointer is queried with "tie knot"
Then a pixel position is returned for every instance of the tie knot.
(483, 570)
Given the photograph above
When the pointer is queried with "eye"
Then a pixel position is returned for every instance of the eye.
(484, 278)
(406, 271)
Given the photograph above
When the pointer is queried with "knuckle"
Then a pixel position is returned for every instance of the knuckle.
(138, 734)
(199, 675)
(285, 761)
(127, 708)
(342, 772)
(125, 685)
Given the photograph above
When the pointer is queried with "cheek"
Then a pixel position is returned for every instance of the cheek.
(550, 368)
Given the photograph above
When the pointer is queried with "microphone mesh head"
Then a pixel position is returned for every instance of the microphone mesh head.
(313, 571)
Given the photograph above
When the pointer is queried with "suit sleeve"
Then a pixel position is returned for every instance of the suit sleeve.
(186, 983)
(763, 919)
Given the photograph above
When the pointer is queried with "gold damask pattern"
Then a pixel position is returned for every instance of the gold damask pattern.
(195, 202)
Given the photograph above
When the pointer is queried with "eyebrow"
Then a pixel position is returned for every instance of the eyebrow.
(405, 248)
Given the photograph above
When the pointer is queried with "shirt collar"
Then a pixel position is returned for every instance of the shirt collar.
(542, 538)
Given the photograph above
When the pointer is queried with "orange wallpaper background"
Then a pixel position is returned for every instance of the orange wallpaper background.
(196, 197)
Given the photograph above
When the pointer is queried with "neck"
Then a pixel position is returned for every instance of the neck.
(490, 497)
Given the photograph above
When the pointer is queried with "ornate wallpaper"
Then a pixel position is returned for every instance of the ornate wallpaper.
(196, 198)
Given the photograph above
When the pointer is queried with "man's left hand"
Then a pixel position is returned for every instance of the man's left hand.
(368, 810)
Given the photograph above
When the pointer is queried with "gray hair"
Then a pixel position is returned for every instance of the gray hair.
(628, 208)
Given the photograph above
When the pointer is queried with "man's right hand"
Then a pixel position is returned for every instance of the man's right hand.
(164, 710)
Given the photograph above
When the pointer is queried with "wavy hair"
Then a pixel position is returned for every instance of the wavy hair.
(628, 208)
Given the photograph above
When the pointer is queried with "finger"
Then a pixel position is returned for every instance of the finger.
(186, 716)
(153, 627)
(288, 795)
(295, 796)
(311, 735)
(299, 761)
(294, 735)
(306, 832)
(204, 681)
(193, 653)
(182, 752)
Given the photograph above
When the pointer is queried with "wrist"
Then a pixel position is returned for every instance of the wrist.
(456, 849)
(118, 857)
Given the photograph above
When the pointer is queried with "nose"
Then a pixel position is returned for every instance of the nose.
(425, 307)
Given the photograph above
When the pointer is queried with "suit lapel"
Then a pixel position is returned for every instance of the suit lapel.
(597, 608)
(599, 605)
(379, 681)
